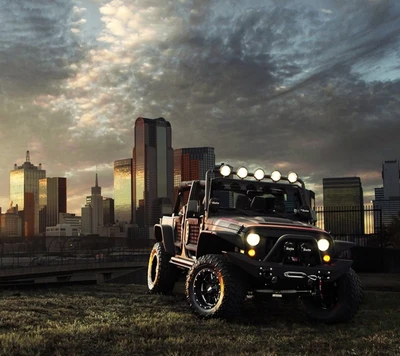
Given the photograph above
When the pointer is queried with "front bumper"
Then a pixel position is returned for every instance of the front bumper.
(264, 271)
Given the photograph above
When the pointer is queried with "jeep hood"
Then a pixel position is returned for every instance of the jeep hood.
(237, 222)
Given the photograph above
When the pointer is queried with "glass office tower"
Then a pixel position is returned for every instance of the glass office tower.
(192, 163)
(343, 205)
(123, 190)
(24, 192)
(52, 201)
(153, 172)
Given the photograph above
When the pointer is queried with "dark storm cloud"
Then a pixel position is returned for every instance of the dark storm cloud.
(267, 83)
(37, 44)
(282, 84)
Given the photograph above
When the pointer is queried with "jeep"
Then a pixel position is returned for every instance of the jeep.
(240, 235)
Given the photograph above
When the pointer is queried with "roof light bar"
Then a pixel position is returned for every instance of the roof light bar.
(276, 176)
(242, 172)
(292, 177)
(259, 174)
(225, 170)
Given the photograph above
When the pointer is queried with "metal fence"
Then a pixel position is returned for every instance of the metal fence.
(363, 226)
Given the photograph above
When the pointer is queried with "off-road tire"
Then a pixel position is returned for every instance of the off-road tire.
(214, 288)
(161, 275)
(349, 295)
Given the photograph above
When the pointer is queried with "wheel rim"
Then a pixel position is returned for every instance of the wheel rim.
(207, 288)
(153, 268)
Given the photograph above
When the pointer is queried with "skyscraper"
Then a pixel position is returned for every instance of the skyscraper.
(123, 190)
(387, 198)
(24, 192)
(391, 179)
(153, 173)
(52, 201)
(92, 212)
(343, 205)
(192, 163)
(108, 211)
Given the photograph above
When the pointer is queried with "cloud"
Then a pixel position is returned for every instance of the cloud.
(275, 84)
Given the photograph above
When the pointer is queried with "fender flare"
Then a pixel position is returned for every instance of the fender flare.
(165, 234)
(220, 239)
(341, 246)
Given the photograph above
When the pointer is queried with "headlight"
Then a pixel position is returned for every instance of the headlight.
(292, 177)
(242, 172)
(259, 174)
(323, 244)
(276, 176)
(253, 239)
(225, 170)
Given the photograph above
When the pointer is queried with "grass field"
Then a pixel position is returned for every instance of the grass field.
(109, 319)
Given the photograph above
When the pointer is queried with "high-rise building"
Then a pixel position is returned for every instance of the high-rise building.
(387, 198)
(52, 201)
(192, 163)
(10, 222)
(123, 190)
(343, 206)
(153, 172)
(108, 212)
(391, 179)
(24, 192)
(92, 212)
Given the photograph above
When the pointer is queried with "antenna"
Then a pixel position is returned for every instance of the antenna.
(28, 158)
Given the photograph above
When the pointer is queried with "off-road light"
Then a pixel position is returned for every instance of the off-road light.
(225, 170)
(323, 244)
(259, 174)
(276, 176)
(251, 252)
(242, 172)
(292, 177)
(326, 258)
(253, 239)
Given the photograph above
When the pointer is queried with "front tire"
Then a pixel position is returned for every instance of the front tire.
(161, 275)
(339, 302)
(214, 288)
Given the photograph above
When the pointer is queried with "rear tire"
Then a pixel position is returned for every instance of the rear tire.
(161, 275)
(340, 300)
(214, 289)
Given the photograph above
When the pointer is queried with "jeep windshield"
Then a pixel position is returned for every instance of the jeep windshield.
(256, 198)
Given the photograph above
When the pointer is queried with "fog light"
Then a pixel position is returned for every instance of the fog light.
(326, 258)
(251, 252)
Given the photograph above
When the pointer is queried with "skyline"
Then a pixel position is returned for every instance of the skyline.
(309, 86)
(78, 212)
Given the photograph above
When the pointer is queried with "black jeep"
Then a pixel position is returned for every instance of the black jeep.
(251, 235)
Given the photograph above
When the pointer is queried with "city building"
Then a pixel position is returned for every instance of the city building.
(123, 190)
(192, 163)
(343, 206)
(70, 219)
(153, 172)
(11, 222)
(391, 178)
(108, 212)
(387, 198)
(62, 230)
(52, 201)
(92, 212)
(24, 192)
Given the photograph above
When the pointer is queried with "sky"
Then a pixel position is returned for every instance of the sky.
(310, 86)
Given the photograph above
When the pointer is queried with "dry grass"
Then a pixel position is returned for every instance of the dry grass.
(112, 319)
